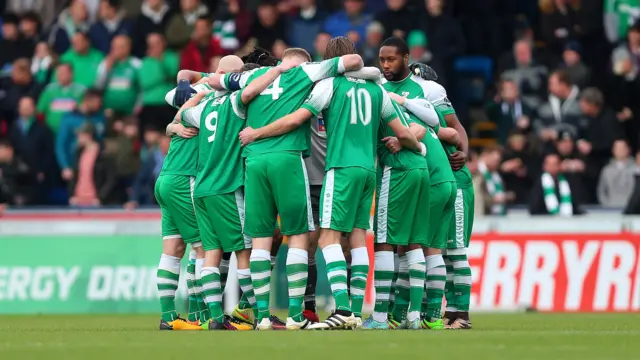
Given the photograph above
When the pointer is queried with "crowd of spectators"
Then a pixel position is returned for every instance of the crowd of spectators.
(82, 85)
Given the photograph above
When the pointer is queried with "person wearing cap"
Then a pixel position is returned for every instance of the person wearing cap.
(573, 65)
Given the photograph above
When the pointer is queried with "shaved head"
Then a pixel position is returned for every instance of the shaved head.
(229, 63)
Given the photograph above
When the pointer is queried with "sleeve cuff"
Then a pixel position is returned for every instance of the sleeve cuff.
(341, 68)
(222, 82)
(310, 108)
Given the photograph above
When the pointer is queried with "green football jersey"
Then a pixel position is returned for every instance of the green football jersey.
(219, 119)
(405, 159)
(352, 110)
(182, 158)
(284, 96)
(463, 176)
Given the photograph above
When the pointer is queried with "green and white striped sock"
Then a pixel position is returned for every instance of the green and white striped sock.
(436, 279)
(212, 292)
(449, 293)
(337, 275)
(383, 277)
(297, 273)
(402, 290)
(167, 278)
(359, 274)
(260, 265)
(193, 310)
(224, 273)
(202, 305)
(417, 270)
(248, 299)
(461, 278)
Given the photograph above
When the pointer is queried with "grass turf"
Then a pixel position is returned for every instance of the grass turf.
(495, 336)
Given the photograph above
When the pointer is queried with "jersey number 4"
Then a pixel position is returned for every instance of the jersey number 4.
(360, 106)
(211, 122)
(274, 89)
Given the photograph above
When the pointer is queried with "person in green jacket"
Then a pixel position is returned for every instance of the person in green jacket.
(60, 97)
(118, 77)
(157, 77)
(84, 59)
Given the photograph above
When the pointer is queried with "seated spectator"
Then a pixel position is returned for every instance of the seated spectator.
(352, 22)
(519, 167)
(320, 45)
(30, 28)
(305, 25)
(552, 193)
(153, 18)
(488, 167)
(118, 77)
(41, 63)
(269, 26)
(371, 48)
(111, 23)
(201, 49)
(509, 112)
(16, 178)
(95, 179)
(89, 111)
(523, 69)
(562, 111)
(32, 142)
(572, 63)
(71, 20)
(617, 179)
(84, 59)
(397, 20)
(13, 45)
(60, 97)
(560, 22)
(12, 89)
(157, 77)
(181, 25)
(142, 189)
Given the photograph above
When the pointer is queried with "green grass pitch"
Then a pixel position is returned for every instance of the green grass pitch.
(495, 336)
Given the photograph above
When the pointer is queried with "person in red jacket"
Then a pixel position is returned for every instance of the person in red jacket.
(201, 49)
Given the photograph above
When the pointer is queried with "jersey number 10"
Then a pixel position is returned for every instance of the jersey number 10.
(360, 106)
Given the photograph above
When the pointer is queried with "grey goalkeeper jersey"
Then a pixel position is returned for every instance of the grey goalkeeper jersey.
(315, 163)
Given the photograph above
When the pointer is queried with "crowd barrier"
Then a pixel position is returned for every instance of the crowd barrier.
(107, 263)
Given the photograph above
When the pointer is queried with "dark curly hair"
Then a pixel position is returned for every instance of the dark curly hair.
(261, 57)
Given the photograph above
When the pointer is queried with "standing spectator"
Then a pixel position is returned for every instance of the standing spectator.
(371, 48)
(518, 167)
(619, 15)
(13, 88)
(552, 194)
(157, 77)
(526, 71)
(12, 44)
(89, 110)
(562, 111)
(127, 155)
(488, 167)
(625, 57)
(320, 45)
(573, 65)
(181, 25)
(201, 49)
(303, 27)
(30, 28)
(60, 97)
(397, 20)
(33, 143)
(16, 179)
(153, 18)
(142, 189)
(111, 24)
(232, 25)
(70, 21)
(352, 22)
(508, 111)
(46, 8)
(269, 26)
(560, 22)
(84, 59)
(617, 179)
(118, 76)
(41, 63)
(572, 164)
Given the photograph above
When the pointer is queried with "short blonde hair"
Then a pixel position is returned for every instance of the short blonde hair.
(296, 52)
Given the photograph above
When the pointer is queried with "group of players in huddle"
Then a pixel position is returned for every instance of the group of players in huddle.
(312, 143)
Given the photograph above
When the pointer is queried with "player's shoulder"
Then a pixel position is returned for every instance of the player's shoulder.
(431, 89)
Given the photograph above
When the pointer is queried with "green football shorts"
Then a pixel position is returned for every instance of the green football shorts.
(346, 199)
(174, 194)
(462, 223)
(221, 218)
(443, 197)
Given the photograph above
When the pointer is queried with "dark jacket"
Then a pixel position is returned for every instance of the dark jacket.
(302, 32)
(506, 115)
(104, 178)
(537, 205)
(404, 20)
(14, 49)
(16, 181)
(556, 21)
(34, 145)
(445, 36)
(148, 22)
(633, 206)
(10, 94)
(101, 35)
(142, 188)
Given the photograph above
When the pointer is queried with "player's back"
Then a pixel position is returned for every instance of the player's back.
(182, 158)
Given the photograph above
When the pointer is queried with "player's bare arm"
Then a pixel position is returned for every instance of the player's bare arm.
(262, 83)
(366, 73)
(176, 128)
(406, 138)
(451, 136)
(351, 62)
(191, 76)
(191, 103)
(281, 126)
(459, 158)
(394, 145)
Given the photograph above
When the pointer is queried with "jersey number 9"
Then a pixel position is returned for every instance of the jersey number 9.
(211, 122)
(360, 106)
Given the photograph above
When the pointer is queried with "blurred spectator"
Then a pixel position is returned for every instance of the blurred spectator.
(619, 15)
(142, 189)
(269, 26)
(118, 76)
(397, 20)
(94, 180)
(127, 154)
(84, 59)
(71, 20)
(562, 111)
(15, 176)
(518, 168)
(573, 65)
(181, 25)
(633, 205)
(112, 23)
(530, 75)
(46, 8)
(201, 49)
(305, 25)
(232, 24)
(320, 45)
(30, 28)
(617, 179)
(489, 166)
(572, 164)
(371, 49)
(157, 77)
(33, 143)
(552, 193)
(41, 63)
(12, 44)
(352, 22)
(509, 112)
(153, 18)
(419, 51)
(12, 89)
(625, 57)
(560, 22)
(446, 39)
(89, 111)
(480, 190)
(60, 97)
